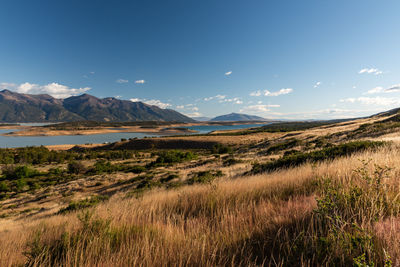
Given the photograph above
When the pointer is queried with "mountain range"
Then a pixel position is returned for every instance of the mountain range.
(16, 107)
(238, 117)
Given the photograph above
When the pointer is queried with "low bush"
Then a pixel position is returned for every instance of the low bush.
(221, 149)
(229, 161)
(204, 177)
(283, 146)
(76, 167)
(11, 172)
(328, 153)
(82, 204)
(173, 156)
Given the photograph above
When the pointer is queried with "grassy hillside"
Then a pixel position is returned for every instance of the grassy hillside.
(314, 197)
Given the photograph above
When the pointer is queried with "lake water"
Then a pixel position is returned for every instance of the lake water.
(23, 141)
(203, 129)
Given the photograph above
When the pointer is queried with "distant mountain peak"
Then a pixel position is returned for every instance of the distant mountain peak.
(15, 107)
(238, 117)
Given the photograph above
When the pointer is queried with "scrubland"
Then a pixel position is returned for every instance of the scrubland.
(338, 206)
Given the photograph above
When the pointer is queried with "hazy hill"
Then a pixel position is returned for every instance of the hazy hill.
(238, 117)
(201, 118)
(15, 107)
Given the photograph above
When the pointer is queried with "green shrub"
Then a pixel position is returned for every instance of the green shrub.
(328, 153)
(169, 178)
(174, 156)
(284, 145)
(13, 173)
(136, 169)
(204, 177)
(221, 149)
(20, 184)
(82, 204)
(4, 187)
(229, 161)
(76, 167)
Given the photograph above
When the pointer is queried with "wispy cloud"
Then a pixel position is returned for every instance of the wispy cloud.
(188, 107)
(235, 100)
(283, 91)
(228, 73)
(393, 88)
(121, 81)
(256, 93)
(140, 81)
(370, 71)
(87, 75)
(317, 84)
(258, 108)
(377, 90)
(153, 102)
(377, 101)
(193, 114)
(54, 89)
(214, 97)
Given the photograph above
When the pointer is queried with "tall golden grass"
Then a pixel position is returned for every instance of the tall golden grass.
(268, 219)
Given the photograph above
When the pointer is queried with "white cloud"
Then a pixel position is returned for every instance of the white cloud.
(228, 73)
(283, 91)
(370, 71)
(317, 84)
(158, 103)
(258, 108)
(377, 101)
(188, 107)
(255, 93)
(121, 81)
(214, 97)
(235, 100)
(92, 72)
(153, 102)
(140, 81)
(375, 90)
(54, 89)
(193, 114)
(392, 89)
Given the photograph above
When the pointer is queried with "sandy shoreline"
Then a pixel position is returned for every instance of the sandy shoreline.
(36, 131)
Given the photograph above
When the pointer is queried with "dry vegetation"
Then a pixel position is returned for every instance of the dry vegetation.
(338, 211)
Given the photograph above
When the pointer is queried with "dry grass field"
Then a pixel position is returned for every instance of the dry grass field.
(216, 208)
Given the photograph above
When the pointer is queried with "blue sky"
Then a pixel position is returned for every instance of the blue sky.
(278, 59)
